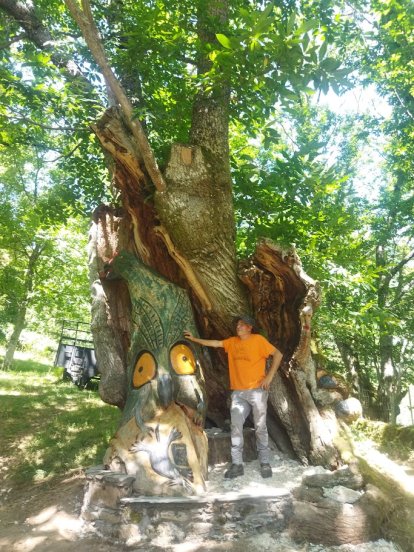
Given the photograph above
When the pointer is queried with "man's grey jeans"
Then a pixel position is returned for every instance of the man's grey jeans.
(242, 403)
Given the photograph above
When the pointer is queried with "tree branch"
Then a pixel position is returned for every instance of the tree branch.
(403, 104)
(17, 38)
(401, 264)
(45, 127)
(393, 271)
(185, 267)
(64, 155)
(84, 19)
(35, 31)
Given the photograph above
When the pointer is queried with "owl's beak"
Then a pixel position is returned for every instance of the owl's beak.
(165, 390)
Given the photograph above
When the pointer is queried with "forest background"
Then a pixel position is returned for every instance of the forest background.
(335, 182)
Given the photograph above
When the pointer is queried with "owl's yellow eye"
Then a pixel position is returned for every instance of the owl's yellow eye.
(144, 370)
(182, 359)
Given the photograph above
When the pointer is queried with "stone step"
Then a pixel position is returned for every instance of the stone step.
(211, 516)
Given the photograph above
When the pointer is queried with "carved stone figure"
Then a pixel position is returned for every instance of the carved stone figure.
(160, 439)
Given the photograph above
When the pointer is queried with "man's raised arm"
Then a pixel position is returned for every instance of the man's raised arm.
(206, 342)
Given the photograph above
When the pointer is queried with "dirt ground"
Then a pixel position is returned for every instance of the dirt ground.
(45, 518)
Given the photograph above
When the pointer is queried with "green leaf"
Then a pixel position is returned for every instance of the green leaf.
(291, 23)
(330, 64)
(307, 26)
(224, 41)
(322, 51)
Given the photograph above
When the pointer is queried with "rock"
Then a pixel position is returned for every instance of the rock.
(347, 476)
(327, 382)
(167, 534)
(349, 410)
(334, 523)
(327, 397)
(308, 494)
(342, 494)
(104, 490)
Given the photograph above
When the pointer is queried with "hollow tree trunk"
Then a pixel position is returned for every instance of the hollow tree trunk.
(185, 232)
(284, 299)
(187, 236)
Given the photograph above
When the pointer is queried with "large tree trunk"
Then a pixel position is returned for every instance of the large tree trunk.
(181, 224)
(187, 235)
(197, 252)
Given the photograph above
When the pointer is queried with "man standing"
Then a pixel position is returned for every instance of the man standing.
(247, 353)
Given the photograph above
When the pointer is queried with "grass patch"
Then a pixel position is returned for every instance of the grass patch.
(395, 441)
(49, 427)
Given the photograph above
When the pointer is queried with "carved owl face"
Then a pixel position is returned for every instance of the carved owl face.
(173, 374)
(163, 368)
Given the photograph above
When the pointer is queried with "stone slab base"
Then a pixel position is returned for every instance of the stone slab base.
(115, 512)
(167, 520)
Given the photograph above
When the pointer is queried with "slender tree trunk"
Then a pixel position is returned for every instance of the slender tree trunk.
(14, 338)
(352, 365)
(388, 374)
(388, 381)
(360, 382)
(20, 320)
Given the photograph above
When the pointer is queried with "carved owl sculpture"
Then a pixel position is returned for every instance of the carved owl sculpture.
(160, 439)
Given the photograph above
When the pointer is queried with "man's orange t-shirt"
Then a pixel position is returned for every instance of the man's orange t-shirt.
(247, 360)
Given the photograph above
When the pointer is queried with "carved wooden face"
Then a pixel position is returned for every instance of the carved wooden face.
(160, 439)
(163, 367)
(173, 374)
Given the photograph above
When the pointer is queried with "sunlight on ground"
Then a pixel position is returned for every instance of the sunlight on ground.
(53, 520)
(49, 522)
(385, 465)
(22, 545)
(31, 355)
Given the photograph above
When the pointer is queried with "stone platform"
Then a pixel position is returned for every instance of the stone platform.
(214, 517)
(113, 509)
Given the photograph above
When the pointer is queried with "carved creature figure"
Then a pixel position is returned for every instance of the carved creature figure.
(165, 380)
(158, 451)
(162, 366)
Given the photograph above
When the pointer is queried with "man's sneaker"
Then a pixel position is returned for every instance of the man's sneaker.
(266, 470)
(235, 470)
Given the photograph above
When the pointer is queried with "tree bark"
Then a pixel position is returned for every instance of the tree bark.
(388, 375)
(196, 218)
(285, 298)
